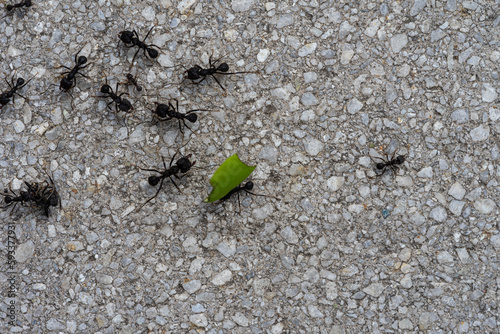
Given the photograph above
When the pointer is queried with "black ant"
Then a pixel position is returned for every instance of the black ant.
(392, 163)
(243, 187)
(44, 194)
(132, 81)
(121, 103)
(23, 3)
(131, 39)
(197, 72)
(183, 165)
(11, 198)
(69, 81)
(5, 97)
(165, 112)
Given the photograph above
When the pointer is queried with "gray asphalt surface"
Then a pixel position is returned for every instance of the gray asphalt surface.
(345, 248)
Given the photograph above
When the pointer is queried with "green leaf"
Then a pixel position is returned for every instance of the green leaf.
(228, 176)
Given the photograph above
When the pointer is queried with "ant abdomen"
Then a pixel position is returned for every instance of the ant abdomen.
(154, 180)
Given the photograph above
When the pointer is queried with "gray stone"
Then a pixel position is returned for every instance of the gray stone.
(374, 289)
(418, 5)
(484, 206)
(307, 49)
(335, 183)
(240, 319)
(289, 235)
(425, 172)
(457, 191)
(308, 99)
(426, 320)
(24, 251)
(353, 106)
(199, 320)
(54, 325)
(191, 286)
(456, 207)
(495, 241)
(315, 312)
(399, 41)
(406, 281)
(242, 5)
(460, 116)
(480, 133)
(227, 247)
(313, 146)
(222, 277)
(439, 214)
(444, 257)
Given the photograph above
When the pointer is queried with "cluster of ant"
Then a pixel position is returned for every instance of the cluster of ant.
(45, 194)
(42, 194)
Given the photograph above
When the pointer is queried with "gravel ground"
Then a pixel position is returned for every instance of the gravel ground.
(343, 249)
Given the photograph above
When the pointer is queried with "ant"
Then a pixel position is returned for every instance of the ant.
(120, 102)
(131, 39)
(44, 194)
(197, 72)
(23, 3)
(12, 199)
(392, 163)
(243, 187)
(132, 81)
(165, 112)
(14, 87)
(183, 165)
(69, 81)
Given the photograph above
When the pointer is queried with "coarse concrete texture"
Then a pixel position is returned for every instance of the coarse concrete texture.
(337, 86)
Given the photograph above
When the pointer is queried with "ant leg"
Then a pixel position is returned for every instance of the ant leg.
(239, 203)
(175, 184)
(132, 63)
(216, 80)
(144, 40)
(156, 194)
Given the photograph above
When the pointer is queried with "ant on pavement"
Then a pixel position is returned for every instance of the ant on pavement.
(165, 112)
(393, 163)
(197, 72)
(44, 194)
(183, 165)
(120, 103)
(243, 187)
(5, 97)
(131, 39)
(131, 80)
(69, 81)
(11, 198)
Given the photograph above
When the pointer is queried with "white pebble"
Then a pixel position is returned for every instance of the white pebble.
(335, 183)
(263, 54)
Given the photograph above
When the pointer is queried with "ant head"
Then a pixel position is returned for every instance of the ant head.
(380, 165)
(10, 7)
(20, 82)
(66, 84)
(184, 164)
(126, 36)
(152, 53)
(154, 180)
(27, 3)
(192, 117)
(162, 110)
(400, 159)
(193, 73)
(130, 76)
(248, 185)
(224, 67)
(82, 60)
(106, 89)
